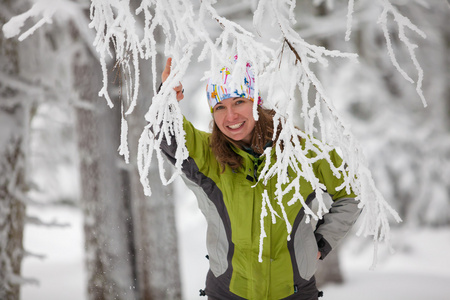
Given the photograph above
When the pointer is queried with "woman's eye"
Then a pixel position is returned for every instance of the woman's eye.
(218, 107)
(239, 101)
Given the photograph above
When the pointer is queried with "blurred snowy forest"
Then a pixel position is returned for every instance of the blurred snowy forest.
(59, 139)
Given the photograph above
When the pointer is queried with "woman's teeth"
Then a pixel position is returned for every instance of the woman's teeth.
(236, 126)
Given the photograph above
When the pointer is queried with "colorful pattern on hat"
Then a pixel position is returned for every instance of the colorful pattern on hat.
(218, 91)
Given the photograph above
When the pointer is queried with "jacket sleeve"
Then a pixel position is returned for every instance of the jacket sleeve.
(197, 144)
(343, 212)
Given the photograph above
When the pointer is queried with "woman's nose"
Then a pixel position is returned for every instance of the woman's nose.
(231, 114)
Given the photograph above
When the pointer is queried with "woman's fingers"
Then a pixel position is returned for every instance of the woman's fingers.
(166, 71)
(178, 89)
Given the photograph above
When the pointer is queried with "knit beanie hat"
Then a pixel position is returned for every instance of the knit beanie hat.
(222, 89)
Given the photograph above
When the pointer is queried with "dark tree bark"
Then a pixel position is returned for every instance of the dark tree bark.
(15, 107)
(107, 239)
(154, 217)
(131, 240)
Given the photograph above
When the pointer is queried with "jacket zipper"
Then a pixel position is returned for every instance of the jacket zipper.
(255, 169)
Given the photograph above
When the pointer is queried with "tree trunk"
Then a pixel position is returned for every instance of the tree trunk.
(14, 120)
(12, 183)
(154, 217)
(131, 240)
(107, 241)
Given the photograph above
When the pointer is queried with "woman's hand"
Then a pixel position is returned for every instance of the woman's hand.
(178, 89)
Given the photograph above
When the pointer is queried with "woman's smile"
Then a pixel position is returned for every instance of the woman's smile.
(236, 126)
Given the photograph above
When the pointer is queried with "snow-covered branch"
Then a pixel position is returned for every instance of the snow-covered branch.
(45, 11)
(402, 24)
(114, 24)
(357, 176)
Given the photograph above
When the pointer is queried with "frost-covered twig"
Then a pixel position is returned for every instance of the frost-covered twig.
(40, 8)
(351, 4)
(115, 25)
(43, 9)
(402, 24)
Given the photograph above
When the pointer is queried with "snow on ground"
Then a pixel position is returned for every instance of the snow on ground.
(419, 270)
(61, 273)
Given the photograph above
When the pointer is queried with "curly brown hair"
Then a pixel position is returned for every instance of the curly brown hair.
(262, 135)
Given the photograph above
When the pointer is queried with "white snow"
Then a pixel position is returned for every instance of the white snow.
(419, 270)
(61, 273)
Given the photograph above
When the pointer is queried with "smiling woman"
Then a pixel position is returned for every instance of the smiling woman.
(223, 170)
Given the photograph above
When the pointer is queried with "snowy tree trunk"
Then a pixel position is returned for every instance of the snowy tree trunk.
(154, 217)
(107, 243)
(12, 210)
(144, 264)
(14, 118)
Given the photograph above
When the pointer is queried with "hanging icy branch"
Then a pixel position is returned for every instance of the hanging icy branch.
(357, 177)
(243, 44)
(348, 32)
(164, 122)
(265, 205)
(402, 23)
(43, 9)
(164, 116)
(115, 24)
(177, 22)
(183, 30)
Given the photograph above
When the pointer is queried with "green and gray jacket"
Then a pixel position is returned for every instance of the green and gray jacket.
(231, 202)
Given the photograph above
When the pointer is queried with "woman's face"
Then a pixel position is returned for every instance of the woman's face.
(234, 117)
